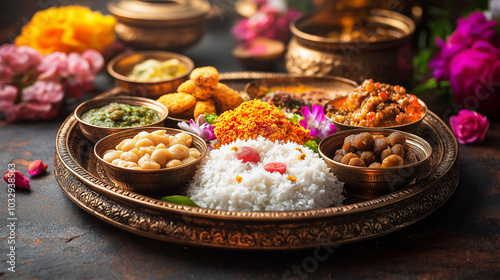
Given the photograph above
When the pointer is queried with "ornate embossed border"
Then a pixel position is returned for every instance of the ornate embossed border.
(257, 230)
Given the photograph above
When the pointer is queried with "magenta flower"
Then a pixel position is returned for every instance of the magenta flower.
(17, 178)
(316, 122)
(270, 21)
(470, 60)
(475, 77)
(37, 167)
(469, 30)
(469, 126)
(200, 128)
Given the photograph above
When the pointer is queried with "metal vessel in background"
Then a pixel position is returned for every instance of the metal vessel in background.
(161, 25)
(353, 43)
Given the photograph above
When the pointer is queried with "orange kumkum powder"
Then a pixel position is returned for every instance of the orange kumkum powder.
(254, 118)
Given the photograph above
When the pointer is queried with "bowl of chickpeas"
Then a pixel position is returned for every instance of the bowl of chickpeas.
(375, 162)
(150, 160)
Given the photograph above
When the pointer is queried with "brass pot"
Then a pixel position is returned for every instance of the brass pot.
(163, 25)
(383, 53)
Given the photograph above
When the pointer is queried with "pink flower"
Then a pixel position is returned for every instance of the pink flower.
(8, 95)
(37, 167)
(54, 66)
(79, 69)
(17, 178)
(475, 77)
(19, 59)
(269, 22)
(44, 92)
(316, 122)
(469, 30)
(469, 126)
(200, 128)
(94, 59)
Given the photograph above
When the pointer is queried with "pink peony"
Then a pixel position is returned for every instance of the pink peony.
(469, 126)
(475, 77)
(469, 30)
(17, 179)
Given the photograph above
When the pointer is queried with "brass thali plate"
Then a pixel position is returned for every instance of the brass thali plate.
(85, 183)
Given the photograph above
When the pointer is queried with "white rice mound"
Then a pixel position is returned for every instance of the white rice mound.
(214, 185)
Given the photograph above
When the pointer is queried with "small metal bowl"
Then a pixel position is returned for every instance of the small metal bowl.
(95, 133)
(163, 25)
(413, 127)
(121, 66)
(160, 181)
(368, 183)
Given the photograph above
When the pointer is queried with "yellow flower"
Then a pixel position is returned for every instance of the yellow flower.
(68, 29)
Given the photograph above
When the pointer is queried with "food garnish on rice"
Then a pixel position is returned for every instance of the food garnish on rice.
(257, 118)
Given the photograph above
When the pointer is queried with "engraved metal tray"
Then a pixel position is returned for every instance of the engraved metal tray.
(85, 183)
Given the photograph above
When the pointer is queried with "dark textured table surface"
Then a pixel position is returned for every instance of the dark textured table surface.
(55, 239)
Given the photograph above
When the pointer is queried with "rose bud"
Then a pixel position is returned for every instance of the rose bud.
(37, 167)
(17, 178)
(469, 126)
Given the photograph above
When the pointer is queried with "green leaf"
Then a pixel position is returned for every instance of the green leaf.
(430, 84)
(181, 200)
(295, 119)
(312, 145)
(210, 118)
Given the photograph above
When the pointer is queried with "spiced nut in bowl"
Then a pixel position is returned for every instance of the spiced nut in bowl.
(377, 105)
(100, 117)
(150, 160)
(375, 162)
(150, 73)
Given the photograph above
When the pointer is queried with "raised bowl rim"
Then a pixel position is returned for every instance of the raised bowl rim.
(121, 77)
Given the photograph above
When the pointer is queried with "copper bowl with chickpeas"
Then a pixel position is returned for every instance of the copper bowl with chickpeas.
(150, 160)
(375, 162)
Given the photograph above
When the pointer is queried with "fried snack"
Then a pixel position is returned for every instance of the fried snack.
(205, 76)
(226, 98)
(202, 107)
(187, 87)
(203, 93)
(177, 102)
(188, 114)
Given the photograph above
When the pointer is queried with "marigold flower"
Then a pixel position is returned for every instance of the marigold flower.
(68, 29)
